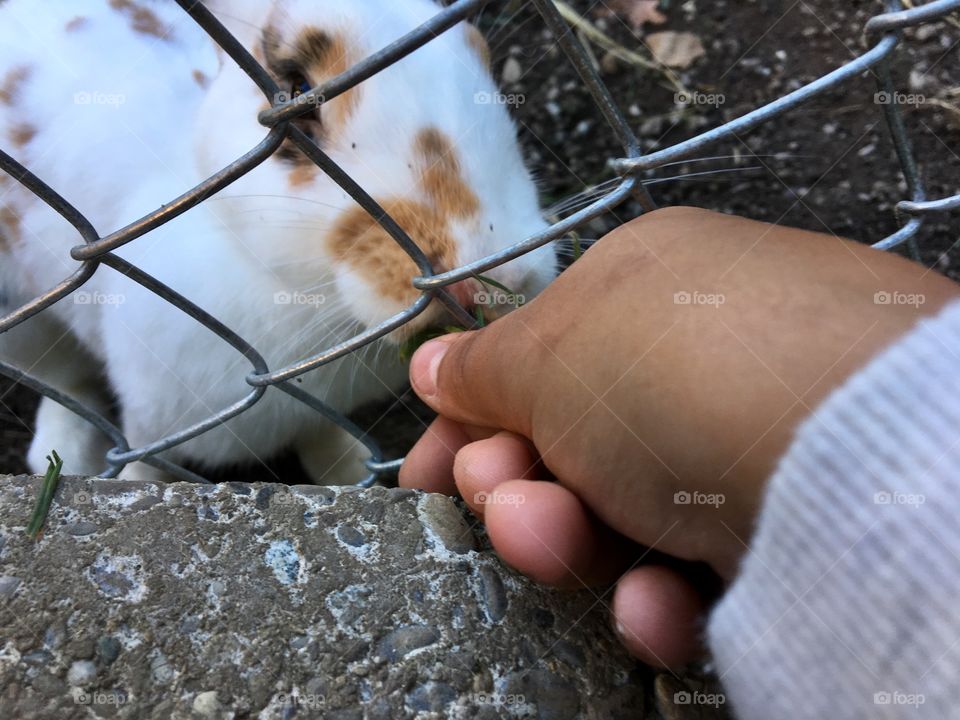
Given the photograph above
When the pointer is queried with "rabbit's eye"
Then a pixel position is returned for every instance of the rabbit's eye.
(299, 85)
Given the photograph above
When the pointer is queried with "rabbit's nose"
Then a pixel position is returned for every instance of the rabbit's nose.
(465, 293)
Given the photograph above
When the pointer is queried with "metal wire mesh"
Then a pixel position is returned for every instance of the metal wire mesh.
(96, 250)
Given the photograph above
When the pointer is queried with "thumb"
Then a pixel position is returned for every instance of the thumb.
(477, 378)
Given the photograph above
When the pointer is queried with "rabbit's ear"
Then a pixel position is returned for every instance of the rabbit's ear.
(478, 43)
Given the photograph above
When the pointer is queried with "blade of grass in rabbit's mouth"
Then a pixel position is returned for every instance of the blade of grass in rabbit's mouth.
(409, 346)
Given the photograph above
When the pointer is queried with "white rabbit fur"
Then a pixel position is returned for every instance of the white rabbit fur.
(122, 105)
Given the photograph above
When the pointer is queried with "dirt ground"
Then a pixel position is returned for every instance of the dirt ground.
(829, 166)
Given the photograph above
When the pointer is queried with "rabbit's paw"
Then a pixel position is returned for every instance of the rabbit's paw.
(82, 446)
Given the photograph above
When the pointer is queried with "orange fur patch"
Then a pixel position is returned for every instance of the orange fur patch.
(13, 83)
(326, 56)
(478, 43)
(303, 175)
(360, 241)
(75, 24)
(21, 134)
(441, 177)
(142, 19)
(9, 228)
(200, 78)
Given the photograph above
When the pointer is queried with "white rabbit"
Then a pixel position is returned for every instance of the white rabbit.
(122, 105)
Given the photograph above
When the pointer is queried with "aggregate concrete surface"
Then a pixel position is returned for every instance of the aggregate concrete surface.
(271, 601)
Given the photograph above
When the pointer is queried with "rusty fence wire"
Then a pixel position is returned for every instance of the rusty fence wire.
(884, 32)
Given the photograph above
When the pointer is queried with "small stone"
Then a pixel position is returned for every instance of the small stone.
(512, 71)
(396, 495)
(555, 698)
(81, 648)
(263, 497)
(8, 585)
(108, 649)
(493, 594)
(37, 657)
(160, 669)
(145, 503)
(82, 528)
(351, 536)
(441, 515)
(316, 687)
(405, 640)
(282, 557)
(431, 697)
(82, 673)
(49, 685)
(55, 635)
(206, 704)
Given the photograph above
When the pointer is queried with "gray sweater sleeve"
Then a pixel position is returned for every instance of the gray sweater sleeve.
(847, 604)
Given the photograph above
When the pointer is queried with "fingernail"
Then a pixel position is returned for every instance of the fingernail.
(425, 366)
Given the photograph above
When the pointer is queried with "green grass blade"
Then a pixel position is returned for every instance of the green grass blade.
(47, 490)
(577, 248)
(489, 282)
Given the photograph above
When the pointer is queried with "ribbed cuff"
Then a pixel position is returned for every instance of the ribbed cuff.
(847, 604)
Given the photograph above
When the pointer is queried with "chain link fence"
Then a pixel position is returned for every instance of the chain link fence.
(884, 32)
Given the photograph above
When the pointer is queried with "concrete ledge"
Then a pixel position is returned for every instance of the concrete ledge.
(146, 600)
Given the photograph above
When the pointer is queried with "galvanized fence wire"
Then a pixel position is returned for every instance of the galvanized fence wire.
(885, 31)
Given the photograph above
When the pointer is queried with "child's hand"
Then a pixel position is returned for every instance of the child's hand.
(658, 381)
